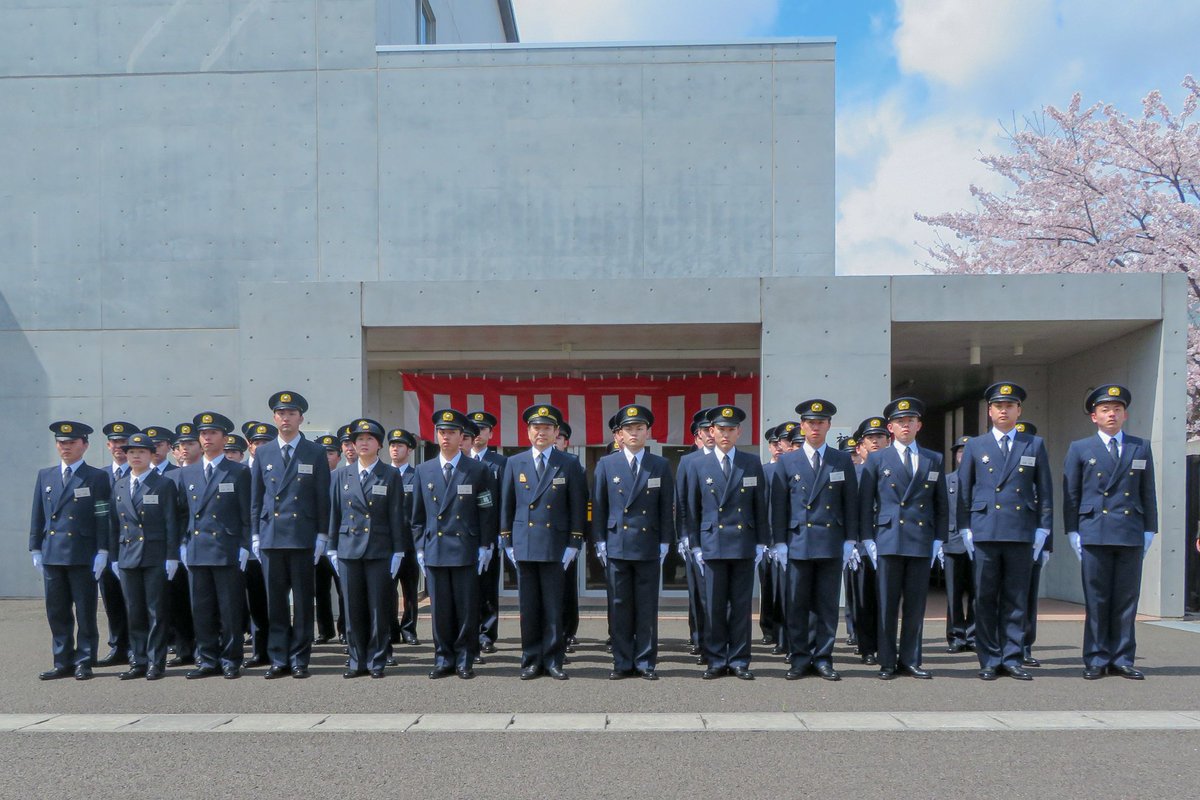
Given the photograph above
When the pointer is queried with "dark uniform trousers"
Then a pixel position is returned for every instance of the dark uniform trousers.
(256, 608)
(179, 615)
(454, 606)
(1002, 572)
(218, 602)
(768, 609)
(728, 597)
(632, 612)
(960, 599)
(540, 591)
(1112, 579)
(865, 604)
(290, 579)
(1031, 606)
(114, 599)
(71, 604)
(324, 582)
(571, 599)
(368, 604)
(695, 581)
(404, 620)
(146, 601)
(903, 588)
(812, 610)
(489, 579)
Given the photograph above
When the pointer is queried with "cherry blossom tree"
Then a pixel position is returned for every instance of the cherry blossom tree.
(1094, 190)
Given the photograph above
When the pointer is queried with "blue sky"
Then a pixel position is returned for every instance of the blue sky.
(923, 86)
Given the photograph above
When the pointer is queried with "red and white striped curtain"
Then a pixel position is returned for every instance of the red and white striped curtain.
(586, 402)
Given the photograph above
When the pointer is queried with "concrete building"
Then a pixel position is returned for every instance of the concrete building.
(205, 204)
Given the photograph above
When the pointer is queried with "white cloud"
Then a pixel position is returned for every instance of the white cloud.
(642, 20)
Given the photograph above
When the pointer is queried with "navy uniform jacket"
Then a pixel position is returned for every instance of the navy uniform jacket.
(218, 513)
(726, 519)
(682, 526)
(1109, 503)
(368, 521)
(903, 516)
(70, 523)
(496, 461)
(633, 517)
(953, 542)
(450, 523)
(406, 483)
(814, 514)
(145, 531)
(1005, 501)
(289, 507)
(541, 519)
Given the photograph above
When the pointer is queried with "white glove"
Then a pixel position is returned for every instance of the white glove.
(682, 549)
(116, 568)
(172, 568)
(100, 562)
(512, 556)
(872, 551)
(421, 561)
(781, 552)
(485, 555)
(319, 549)
(662, 553)
(1149, 541)
(394, 568)
(1076, 544)
(569, 556)
(1039, 541)
(37, 561)
(850, 557)
(698, 557)
(1045, 557)
(760, 550)
(255, 547)
(243, 557)
(183, 554)
(969, 543)
(602, 553)
(939, 554)
(333, 561)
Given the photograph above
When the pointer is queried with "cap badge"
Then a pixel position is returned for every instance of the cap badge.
(1020, 426)
(363, 424)
(185, 428)
(631, 412)
(1114, 391)
(207, 418)
(152, 431)
(65, 428)
(261, 429)
(726, 412)
(478, 416)
(818, 407)
(118, 428)
(1006, 389)
(447, 416)
(543, 411)
(902, 405)
(285, 398)
(789, 426)
(876, 423)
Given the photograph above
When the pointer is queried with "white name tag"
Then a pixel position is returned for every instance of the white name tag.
(377, 489)
(150, 500)
(85, 491)
(751, 481)
(559, 481)
(837, 476)
(653, 483)
(408, 488)
(224, 487)
(1138, 463)
(304, 469)
(933, 474)
(1028, 461)
(466, 488)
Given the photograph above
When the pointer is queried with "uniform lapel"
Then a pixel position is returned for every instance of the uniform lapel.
(1020, 444)
(1122, 466)
(552, 467)
(211, 488)
(626, 476)
(353, 484)
(290, 471)
(455, 479)
(820, 477)
(735, 476)
(68, 491)
(919, 473)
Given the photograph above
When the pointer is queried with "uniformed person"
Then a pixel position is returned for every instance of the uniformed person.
(768, 568)
(728, 532)
(454, 533)
(902, 513)
(814, 521)
(186, 448)
(1035, 582)
(215, 495)
(489, 581)
(849, 445)
(863, 602)
(187, 445)
(403, 626)
(68, 540)
(368, 539)
(1004, 512)
(144, 539)
(633, 528)
(290, 507)
(235, 448)
(117, 434)
(543, 511)
(571, 579)
(256, 583)
(1110, 511)
(163, 439)
(701, 446)
(347, 444)
(960, 578)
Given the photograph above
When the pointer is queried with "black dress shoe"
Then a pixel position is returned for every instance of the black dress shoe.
(466, 673)
(300, 672)
(917, 672)
(886, 674)
(1126, 672)
(377, 673)
(354, 673)
(440, 672)
(767, 640)
(1030, 661)
(181, 661)
(154, 674)
(277, 672)
(391, 662)
(1018, 673)
(743, 673)
(323, 639)
(648, 675)
(827, 672)
(255, 661)
(987, 674)
(956, 647)
(410, 638)
(777, 650)
(620, 674)
(480, 660)
(869, 659)
(83, 673)
(114, 657)
(487, 647)
(529, 673)
(713, 674)
(572, 640)
(608, 647)
(851, 641)
(693, 649)
(231, 673)
(1093, 673)
(970, 646)
(796, 672)
(56, 673)
(202, 672)
(132, 673)
(557, 673)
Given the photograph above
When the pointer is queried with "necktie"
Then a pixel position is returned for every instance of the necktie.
(287, 456)
(66, 476)
(908, 462)
(1112, 449)
(208, 470)
(816, 462)
(137, 487)
(541, 465)
(1004, 446)
(725, 466)
(449, 471)
(633, 467)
